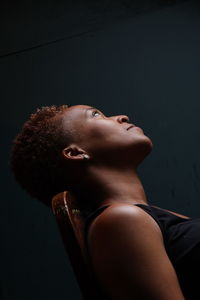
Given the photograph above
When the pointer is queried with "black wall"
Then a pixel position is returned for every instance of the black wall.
(139, 58)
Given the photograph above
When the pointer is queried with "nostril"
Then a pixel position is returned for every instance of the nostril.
(124, 118)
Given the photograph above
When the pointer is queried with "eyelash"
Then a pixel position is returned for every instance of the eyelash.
(95, 111)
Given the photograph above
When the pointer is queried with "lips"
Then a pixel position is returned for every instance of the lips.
(131, 126)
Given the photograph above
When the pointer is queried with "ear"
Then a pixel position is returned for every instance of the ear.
(73, 152)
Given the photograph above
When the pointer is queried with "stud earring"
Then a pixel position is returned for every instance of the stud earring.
(86, 156)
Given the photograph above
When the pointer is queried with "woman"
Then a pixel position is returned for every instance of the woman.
(138, 251)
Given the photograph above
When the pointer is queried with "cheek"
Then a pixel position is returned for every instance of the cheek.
(98, 137)
(109, 138)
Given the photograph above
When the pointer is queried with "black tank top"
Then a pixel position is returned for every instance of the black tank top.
(182, 243)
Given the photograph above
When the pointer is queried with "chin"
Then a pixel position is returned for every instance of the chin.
(145, 141)
(149, 141)
(149, 144)
(145, 148)
(140, 151)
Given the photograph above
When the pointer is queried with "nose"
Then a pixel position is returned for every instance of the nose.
(122, 118)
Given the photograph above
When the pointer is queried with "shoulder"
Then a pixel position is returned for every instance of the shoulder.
(123, 212)
(123, 218)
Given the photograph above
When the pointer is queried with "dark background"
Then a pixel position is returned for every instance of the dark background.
(139, 58)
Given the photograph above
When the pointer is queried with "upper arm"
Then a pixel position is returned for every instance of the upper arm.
(129, 258)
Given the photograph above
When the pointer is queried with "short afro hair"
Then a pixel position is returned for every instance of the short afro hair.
(35, 156)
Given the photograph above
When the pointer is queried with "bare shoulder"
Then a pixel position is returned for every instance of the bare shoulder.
(123, 216)
(121, 227)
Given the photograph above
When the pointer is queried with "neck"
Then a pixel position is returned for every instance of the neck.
(109, 186)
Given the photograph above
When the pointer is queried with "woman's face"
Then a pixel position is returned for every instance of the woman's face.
(102, 136)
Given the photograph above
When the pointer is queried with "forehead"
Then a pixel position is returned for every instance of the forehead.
(78, 108)
(76, 111)
(74, 115)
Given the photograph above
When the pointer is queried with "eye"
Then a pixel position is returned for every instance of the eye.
(95, 111)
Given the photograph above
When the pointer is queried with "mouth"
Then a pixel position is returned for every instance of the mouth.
(131, 126)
